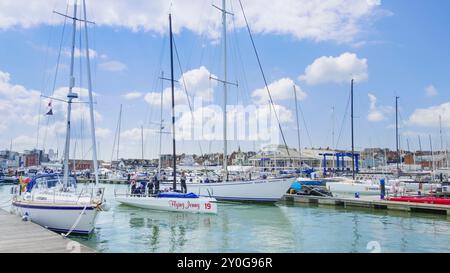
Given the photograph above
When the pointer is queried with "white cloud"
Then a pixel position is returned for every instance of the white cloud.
(133, 95)
(79, 110)
(374, 114)
(198, 82)
(429, 117)
(23, 142)
(339, 69)
(244, 122)
(431, 91)
(155, 98)
(135, 134)
(198, 86)
(102, 132)
(113, 66)
(78, 53)
(282, 89)
(336, 20)
(18, 105)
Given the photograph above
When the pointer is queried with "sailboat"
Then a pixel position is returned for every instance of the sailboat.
(54, 200)
(169, 201)
(352, 186)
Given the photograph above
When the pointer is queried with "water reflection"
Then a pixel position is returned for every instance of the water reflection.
(256, 228)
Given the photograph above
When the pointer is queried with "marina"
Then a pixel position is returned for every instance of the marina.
(222, 145)
(285, 227)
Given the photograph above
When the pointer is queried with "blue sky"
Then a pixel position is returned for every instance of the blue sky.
(400, 47)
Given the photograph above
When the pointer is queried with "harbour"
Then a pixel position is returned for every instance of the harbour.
(281, 228)
(221, 144)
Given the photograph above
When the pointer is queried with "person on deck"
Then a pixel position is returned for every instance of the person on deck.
(133, 187)
(157, 178)
(150, 186)
(183, 183)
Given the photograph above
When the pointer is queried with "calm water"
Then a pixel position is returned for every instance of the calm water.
(264, 228)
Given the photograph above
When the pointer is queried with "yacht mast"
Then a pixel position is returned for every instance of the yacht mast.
(118, 133)
(442, 141)
(71, 95)
(173, 107)
(225, 74)
(91, 102)
(298, 128)
(353, 136)
(396, 135)
(161, 124)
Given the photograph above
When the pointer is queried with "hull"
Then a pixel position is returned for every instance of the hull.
(191, 205)
(270, 190)
(352, 188)
(59, 218)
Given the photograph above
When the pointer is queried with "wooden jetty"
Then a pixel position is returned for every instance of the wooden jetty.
(368, 202)
(17, 236)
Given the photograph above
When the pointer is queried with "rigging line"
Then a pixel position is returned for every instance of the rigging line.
(304, 122)
(265, 80)
(55, 78)
(246, 88)
(155, 83)
(343, 121)
(186, 91)
(60, 50)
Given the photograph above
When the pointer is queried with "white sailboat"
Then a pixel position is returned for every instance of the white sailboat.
(53, 200)
(169, 201)
(256, 190)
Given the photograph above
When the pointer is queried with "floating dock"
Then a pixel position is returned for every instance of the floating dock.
(17, 236)
(372, 202)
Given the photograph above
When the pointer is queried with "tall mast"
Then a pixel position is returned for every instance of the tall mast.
(142, 142)
(161, 124)
(432, 157)
(332, 136)
(70, 97)
(298, 128)
(442, 141)
(396, 135)
(119, 129)
(420, 143)
(353, 136)
(225, 74)
(91, 102)
(173, 107)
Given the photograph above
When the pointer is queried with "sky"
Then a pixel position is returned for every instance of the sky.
(390, 48)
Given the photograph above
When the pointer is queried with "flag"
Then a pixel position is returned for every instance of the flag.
(50, 109)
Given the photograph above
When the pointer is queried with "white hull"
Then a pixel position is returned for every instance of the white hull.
(57, 217)
(267, 190)
(352, 188)
(191, 205)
